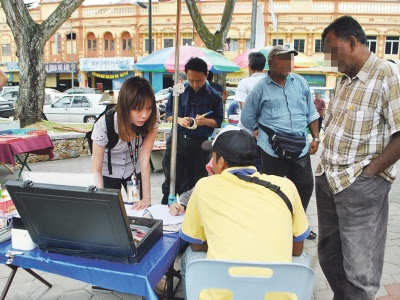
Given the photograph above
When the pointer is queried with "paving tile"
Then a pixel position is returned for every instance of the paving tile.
(396, 277)
(4, 271)
(390, 268)
(54, 279)
(17, 295)
(69, 284)
(74, 295)
(393, 289)
(387, 298)
(124, 296)
(109, 296)
(387, 279)
(323, 295)
(45, 293)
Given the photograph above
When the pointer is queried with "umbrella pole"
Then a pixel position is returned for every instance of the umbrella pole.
(175, 107)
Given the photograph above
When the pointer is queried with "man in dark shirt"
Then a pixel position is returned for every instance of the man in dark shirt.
(194, 127)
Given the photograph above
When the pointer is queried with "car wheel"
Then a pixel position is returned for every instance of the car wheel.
(90, 119)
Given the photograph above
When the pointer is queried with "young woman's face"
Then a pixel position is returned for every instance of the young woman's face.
(139, 116)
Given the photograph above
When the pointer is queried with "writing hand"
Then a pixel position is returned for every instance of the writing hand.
(201, 121)
(176, 209)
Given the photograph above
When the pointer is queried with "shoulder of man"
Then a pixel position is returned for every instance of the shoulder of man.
(213, 92)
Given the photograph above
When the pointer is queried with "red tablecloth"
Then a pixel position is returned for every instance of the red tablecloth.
(40, 145)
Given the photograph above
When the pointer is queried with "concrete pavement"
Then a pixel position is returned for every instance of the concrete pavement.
(26, 287)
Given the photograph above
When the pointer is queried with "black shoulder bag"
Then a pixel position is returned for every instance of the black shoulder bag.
(269, 186)
(288, 146)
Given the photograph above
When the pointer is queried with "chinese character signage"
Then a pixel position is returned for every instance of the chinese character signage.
(107, 64)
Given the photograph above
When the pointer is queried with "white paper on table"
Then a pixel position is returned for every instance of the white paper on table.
(133, 212)
(158, 211)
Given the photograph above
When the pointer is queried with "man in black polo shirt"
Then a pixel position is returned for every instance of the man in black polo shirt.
(194, 127)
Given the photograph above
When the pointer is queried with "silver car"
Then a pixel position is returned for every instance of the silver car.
(81, 108)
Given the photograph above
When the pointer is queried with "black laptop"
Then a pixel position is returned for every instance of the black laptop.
(80, 221)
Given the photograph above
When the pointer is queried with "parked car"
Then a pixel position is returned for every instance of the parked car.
(81, 108)
(52, 95)
(163, 95)
(6, 109)
(8, 88)
(78, 90)
(10, 96)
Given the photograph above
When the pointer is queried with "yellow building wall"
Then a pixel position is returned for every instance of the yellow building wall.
(297, 19)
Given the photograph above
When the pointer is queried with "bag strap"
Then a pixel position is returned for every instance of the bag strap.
(111, 135)
(267, 130)
(269, 186)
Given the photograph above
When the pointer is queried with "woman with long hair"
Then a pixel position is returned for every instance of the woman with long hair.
(136, 121)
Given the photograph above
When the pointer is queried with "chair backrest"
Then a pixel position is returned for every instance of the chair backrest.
(286, 277)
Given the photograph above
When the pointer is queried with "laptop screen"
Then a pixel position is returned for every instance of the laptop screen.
(74, 220)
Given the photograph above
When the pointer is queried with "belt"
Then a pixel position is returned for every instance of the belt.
(193, 137)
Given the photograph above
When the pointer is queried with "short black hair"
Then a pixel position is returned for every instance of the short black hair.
(345, 27)
(242, 163)
(257, 61)
(196, 64)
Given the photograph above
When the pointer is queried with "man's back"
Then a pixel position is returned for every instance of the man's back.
(245, 221)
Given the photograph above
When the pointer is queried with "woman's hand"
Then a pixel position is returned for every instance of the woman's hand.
(176, 209)
(142, 204)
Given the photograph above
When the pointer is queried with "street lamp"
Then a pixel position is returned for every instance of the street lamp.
(141, 4)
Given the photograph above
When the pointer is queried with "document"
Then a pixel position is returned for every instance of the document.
(157, 211)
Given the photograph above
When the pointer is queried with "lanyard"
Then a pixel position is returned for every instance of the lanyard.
(134, 154)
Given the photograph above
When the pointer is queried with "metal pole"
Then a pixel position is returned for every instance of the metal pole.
(150, 38)
(72, 67)
(277, 29)
(253, 24)
(174, 142)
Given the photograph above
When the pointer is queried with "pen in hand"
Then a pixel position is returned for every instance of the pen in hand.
(206, 114)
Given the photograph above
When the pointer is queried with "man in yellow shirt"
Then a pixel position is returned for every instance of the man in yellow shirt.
(233, 219)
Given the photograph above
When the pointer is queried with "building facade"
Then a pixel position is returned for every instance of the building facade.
(98, 44)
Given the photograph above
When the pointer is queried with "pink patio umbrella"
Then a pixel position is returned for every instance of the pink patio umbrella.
(300, 60)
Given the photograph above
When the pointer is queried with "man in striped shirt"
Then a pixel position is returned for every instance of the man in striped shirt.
(361, 144)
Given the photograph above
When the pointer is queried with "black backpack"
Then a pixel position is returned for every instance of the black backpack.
(112, 136)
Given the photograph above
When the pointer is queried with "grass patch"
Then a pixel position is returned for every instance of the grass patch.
(49, 126)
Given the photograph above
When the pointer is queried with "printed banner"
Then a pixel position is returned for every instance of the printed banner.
(107, 64)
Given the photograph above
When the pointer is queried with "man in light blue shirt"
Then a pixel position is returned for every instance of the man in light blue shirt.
(282, 102)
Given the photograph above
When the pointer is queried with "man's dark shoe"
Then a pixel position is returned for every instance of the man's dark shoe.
(312, 235)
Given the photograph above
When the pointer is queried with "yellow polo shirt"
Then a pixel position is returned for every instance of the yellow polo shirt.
(244, 221)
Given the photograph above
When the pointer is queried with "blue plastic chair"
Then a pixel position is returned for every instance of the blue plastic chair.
(286, 277)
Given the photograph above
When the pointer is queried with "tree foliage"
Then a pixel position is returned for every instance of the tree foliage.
(30, 39)
(214, 41)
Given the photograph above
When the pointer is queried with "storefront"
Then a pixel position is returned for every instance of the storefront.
(106, 73)
(59, 75)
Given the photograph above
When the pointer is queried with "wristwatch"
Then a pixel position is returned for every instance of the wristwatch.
(316, 140)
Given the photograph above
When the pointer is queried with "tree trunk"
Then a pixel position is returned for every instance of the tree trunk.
(214, 41)
(30, 39)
